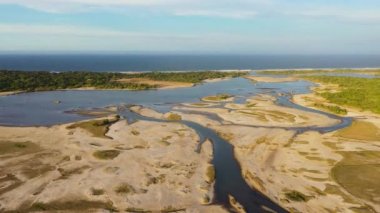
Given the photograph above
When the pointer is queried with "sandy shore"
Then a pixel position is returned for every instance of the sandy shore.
(301, 172)
(10, 93)
(125, 170)
(133, 163)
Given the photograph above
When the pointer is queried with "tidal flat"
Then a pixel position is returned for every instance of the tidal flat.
(221, 146)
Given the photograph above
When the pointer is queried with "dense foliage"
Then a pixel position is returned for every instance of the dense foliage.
(314, 72)
(38, 81)
(188, 77)
(362, 93)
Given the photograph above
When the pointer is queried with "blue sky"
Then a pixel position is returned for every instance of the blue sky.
(191, 26)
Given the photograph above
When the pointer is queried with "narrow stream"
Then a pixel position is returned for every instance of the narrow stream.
(229, 180)
(37, 109)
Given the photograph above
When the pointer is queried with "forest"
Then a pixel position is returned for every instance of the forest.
(362, 93)
(30, 81)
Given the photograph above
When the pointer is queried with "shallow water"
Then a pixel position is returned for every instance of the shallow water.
(38, 108)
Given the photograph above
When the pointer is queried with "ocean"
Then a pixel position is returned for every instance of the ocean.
(156, 62)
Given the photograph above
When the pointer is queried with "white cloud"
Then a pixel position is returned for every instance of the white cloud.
(220, 8)
(343, 14)
(235, 14)
(58, 6)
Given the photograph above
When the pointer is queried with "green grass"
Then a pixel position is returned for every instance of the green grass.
(210, 174)
(315, 72)
(7, 147)
(106, 154)
(296, 196)
(361, 93)
(174, 117)
(77, 206)
(218, 97)
(358, 173)
(360, 130)
(331, 108)
(98, 128)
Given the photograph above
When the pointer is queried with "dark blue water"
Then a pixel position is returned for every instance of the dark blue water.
(128, 62)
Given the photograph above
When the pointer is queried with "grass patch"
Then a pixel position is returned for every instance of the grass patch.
(98, 128)
(218, 97)
(97, 192)
(168, 209)
(315, 72)
(174, 117)
(135, 132)
(80, 205)
(137, 210)
(360, 130)
(331, 108)
(7, 147)
(125, 189)
(361, 93)
(358, 173)
(210, 174)
(296, 196)
(106, 154)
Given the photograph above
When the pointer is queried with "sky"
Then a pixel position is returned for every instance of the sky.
(191, 26)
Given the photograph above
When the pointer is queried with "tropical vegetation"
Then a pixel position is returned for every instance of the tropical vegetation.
(41, 81)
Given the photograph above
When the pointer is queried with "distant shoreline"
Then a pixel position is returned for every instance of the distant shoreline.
(197, 70)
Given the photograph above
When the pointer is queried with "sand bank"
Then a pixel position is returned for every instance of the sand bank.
(64, 168)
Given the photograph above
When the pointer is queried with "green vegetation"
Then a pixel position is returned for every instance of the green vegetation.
(362, 93)
(137, 210)
(125, 189)
(315, 72)
(44, 81)
(332, 108)
(296, 196)
(358, 173)
(97, 192)
(218, 97)
(174, 117)
(188, 77)
(360, 130)
(168, 209)
(79, 205)
(98, 128)
(16, 147)
(210, 174)
(106, 154)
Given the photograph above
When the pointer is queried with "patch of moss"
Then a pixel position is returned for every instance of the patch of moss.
(331, 108)
(97, 192)
(106, 154)
(210, 174)
(98, 128)
(7, 147)
(174, 117)
(137, 210)
(358, 174)
(360, 130)
(296, 196)
(217, 98)
(79, 205)
(125, 189)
